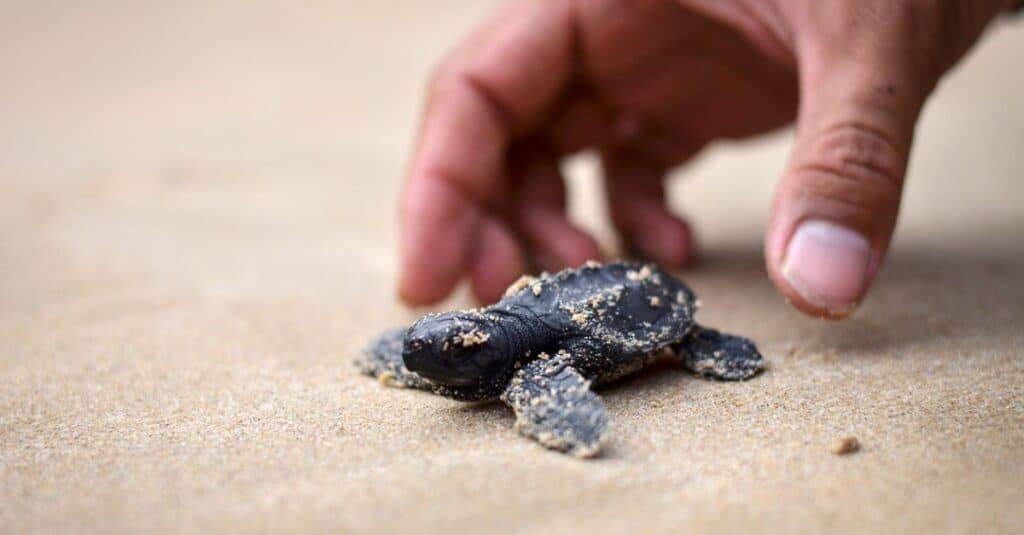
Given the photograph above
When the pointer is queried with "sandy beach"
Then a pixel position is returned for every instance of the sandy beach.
(198, 233)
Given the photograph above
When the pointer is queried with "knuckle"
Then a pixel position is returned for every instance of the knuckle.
(861, 152)
(856, 168)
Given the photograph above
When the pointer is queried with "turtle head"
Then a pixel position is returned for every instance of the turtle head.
(463, 352)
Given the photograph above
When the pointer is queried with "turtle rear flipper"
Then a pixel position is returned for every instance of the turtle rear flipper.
(554, 406)
(715, 355)
(382, 359)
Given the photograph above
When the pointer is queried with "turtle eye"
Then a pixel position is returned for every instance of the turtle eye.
(417, 344)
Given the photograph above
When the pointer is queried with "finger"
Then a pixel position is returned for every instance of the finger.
(439, 222)
(497, 262)
(457, 163)
(636, 200)
(836, 206)
(539, 213)
(582, 122)
(496, 85)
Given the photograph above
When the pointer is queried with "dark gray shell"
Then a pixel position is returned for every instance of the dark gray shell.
(608, 315)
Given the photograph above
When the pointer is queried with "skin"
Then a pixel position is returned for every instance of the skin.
(649, 83)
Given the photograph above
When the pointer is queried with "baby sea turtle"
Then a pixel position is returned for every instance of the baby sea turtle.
(541, 347)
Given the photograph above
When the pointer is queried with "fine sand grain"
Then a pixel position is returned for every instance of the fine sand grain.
(197, 236)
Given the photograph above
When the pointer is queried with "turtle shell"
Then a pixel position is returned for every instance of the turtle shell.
(608, 314)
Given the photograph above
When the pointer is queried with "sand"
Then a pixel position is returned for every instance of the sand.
(197, 234)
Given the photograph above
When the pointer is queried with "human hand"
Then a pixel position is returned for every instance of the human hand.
(648, 84)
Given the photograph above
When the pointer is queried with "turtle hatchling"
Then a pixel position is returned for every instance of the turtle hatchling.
(550, 338)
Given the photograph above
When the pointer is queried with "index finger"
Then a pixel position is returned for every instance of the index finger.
(498, 84)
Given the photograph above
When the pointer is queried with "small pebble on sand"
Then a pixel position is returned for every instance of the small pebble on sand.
(846, 446)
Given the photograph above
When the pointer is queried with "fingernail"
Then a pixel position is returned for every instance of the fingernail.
(828, 265)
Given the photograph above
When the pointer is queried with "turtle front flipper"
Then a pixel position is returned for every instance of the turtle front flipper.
(715, 355)
(554, 406)
(382, 359)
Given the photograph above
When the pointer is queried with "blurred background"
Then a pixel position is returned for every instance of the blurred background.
(197, 233)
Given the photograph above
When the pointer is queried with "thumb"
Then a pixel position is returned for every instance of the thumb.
(836, 205)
